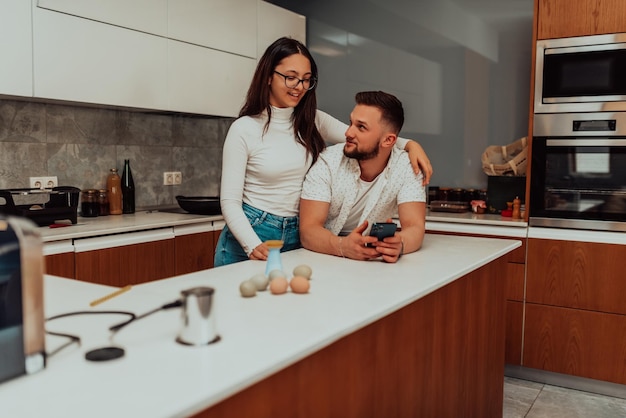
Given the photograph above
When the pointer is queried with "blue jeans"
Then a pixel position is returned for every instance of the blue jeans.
(266, 226)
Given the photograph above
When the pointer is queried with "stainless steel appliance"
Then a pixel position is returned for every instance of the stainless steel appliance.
(578, 171)
(581, 74)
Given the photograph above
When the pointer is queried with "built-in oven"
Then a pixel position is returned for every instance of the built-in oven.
(581, 74)
(578, 171)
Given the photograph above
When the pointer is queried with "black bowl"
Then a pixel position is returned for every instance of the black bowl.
(200, 205)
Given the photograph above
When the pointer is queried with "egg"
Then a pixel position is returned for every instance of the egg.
(279, 285)
(303, 270)
(276, 273)
(247, 289)
(299, 284)
(260, 280)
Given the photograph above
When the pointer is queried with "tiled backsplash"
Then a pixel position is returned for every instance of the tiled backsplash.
(80, 145)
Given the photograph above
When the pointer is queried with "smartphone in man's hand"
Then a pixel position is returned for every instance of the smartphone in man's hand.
(382, 230)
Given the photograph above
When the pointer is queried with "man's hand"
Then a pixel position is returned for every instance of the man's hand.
(353, 245)
(390, 248)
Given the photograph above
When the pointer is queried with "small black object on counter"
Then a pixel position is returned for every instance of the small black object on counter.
(42, 206)
(200, 205)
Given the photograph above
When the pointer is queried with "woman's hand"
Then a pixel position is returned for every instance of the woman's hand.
(260, 252)
(419, 160)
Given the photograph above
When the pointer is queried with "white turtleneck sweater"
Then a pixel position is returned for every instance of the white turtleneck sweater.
(266, 170)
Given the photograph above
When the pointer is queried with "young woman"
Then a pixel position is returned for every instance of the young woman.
(269, 149)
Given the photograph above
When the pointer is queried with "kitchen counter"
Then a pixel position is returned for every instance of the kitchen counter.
(473, 223)
(115, 224)
(144, 220)
(263, 335)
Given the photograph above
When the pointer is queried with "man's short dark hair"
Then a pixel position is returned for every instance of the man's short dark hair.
(389, 105)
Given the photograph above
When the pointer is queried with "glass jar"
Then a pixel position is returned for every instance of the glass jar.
(114, 189)
(103, 202)
(444, 194)
(89, 206)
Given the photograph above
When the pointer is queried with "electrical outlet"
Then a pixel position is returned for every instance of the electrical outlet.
(178, 177)
(47, 182)
(168, 178)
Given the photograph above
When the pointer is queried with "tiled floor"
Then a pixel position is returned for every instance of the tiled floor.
(523, 398)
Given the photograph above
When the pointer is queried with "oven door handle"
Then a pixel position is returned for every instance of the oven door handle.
(585, 142)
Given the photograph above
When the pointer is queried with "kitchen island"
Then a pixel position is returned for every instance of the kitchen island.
(422, 337)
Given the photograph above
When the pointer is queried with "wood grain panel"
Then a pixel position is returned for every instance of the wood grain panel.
(575, 274)
(141, 263)
(100, 266)
(129, 264)
(441, 356)
(515, 281)
(575, 342)
(61, 265)
(514, 332)
(564, 18)
(194, 252)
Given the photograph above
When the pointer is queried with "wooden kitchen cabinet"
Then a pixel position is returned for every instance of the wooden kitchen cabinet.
(573, 274)
(16, 48)
(514, 275)
(124, 259)
(195, 247)
(575, 319)
(135, 257)
(575, 342)
(61, 265)
(59, 258)
(132, 264)
(565, 18)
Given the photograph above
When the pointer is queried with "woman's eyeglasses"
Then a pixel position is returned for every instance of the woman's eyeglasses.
(292, 82)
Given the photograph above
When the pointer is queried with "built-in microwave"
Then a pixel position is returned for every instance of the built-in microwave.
(581, 74)
(578, 171)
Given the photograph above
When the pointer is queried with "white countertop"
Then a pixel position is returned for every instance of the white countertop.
(260, 336)
(115, 224)
(145, 220)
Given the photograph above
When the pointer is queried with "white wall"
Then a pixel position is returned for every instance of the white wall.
(464, 85)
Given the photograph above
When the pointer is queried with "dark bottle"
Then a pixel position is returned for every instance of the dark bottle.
(128, 189)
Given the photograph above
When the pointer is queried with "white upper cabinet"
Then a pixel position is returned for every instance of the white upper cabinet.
(206, 81)
(275, 22)
(226, 25)
(91, 62)
(143, 15)
(16, 71)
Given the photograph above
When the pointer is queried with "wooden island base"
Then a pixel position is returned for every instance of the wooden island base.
(440, 356)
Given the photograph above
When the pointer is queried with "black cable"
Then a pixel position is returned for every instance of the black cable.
(175, 304)
(74, 338)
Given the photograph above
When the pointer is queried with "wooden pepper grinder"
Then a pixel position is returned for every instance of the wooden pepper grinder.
(517, 203)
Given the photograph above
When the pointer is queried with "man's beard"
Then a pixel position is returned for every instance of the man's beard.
(361, 155)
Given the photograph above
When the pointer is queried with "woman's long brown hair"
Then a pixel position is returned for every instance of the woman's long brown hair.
(258, 97)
